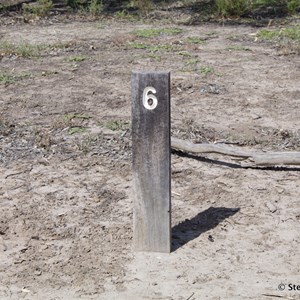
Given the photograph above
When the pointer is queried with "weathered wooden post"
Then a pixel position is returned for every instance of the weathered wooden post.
(151, 161)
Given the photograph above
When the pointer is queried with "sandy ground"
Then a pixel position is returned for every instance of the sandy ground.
(65, 164)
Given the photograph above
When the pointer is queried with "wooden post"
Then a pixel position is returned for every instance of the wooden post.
(151, 150)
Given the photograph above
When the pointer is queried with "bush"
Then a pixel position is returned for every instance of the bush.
(293, 6)
(226, 8)
(239, 8)
(41, 8)
(278, 7)
(267, 8)
(95, 7)
(73, 3)
(144, 6)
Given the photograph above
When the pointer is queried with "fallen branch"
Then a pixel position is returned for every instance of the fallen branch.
(258, 159)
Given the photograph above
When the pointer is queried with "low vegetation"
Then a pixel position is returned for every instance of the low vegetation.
(227, 8)
(28, 50)
(117, 125)
(196, 40)
(23, 49)
(206, 70)
(77, 58)
(291, 33)
(6, 78)
(151, 47)
(128, 8)
(240, 8)
(95, 7)
(287, 37)
(155, 32)
(40, 8)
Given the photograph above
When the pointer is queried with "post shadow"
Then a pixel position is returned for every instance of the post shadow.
(190, 229)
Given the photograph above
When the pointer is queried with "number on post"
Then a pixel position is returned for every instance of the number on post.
(149, 100)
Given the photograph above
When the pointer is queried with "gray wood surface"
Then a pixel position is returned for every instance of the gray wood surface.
(151, 166)
(254, 158)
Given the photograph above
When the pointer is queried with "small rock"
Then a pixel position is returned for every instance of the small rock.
(25, 290)
(210, 238)
(272, 208)
(256, 117)
(38, 272)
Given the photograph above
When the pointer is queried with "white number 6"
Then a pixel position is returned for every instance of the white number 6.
(149, 100)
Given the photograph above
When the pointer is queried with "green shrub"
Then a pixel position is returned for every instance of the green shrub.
(278, 7)
(292, 33)
(237, 8)
(12, 78)
(41, 8)
(293, 6)
(95, 7)
(6, 79)
(286, 38)
(24, 49)
(76, 4)
(266, 2)
(143, 6)
(117, 125)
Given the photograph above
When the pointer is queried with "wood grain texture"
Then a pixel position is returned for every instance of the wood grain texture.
(254, 158)
(151, 148)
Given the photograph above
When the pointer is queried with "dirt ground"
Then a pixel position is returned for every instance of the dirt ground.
(65, 162)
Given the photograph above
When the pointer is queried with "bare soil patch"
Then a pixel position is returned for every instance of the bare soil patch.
(65, 160)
